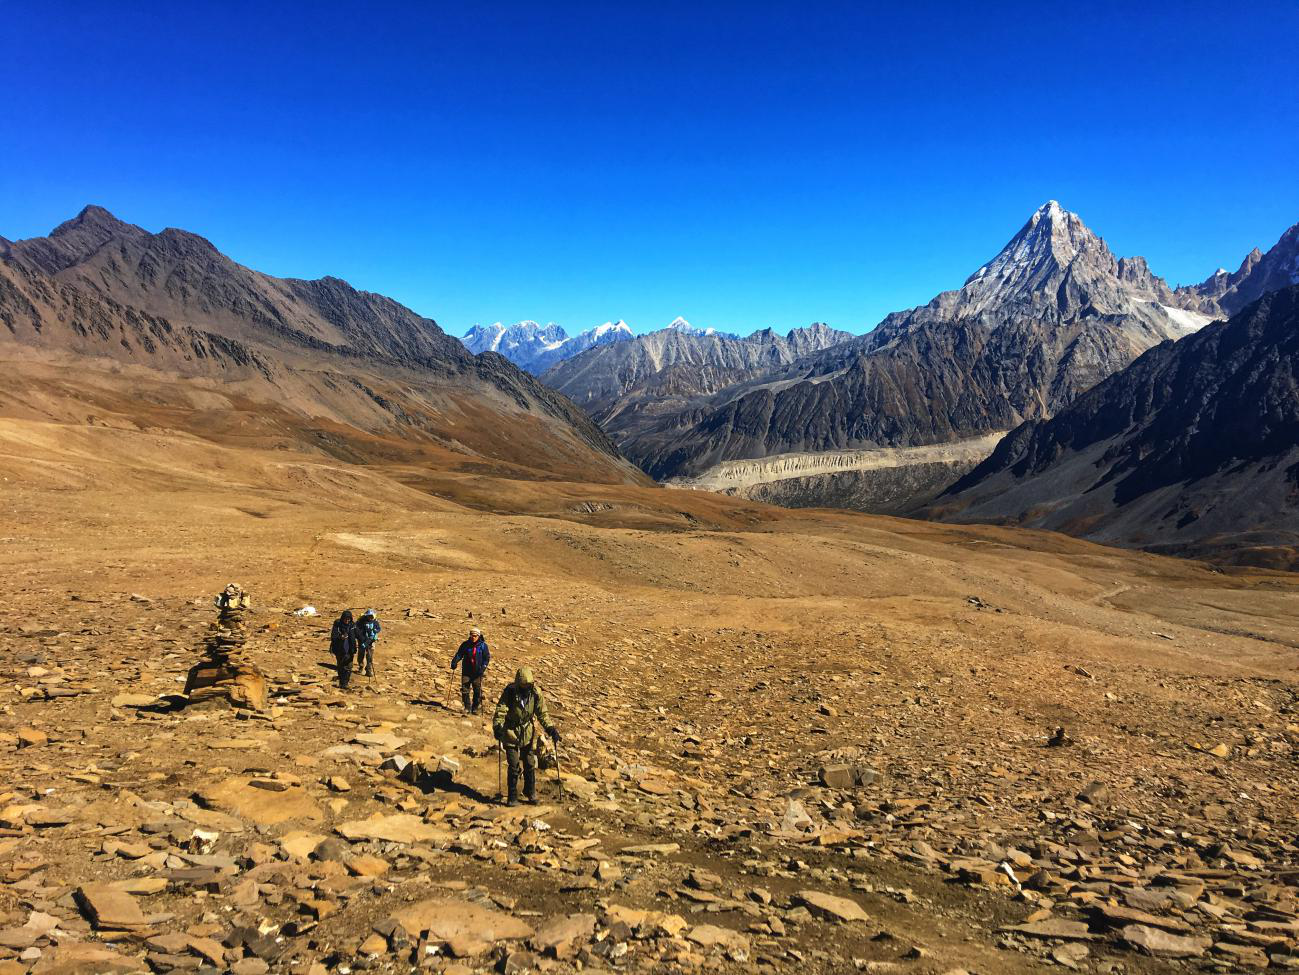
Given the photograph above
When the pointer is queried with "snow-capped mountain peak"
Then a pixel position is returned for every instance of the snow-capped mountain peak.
(679, 324)
(609, 328)
(536, 347)
(484, 338)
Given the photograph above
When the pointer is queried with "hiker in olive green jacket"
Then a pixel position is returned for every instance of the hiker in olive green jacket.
(521, 703)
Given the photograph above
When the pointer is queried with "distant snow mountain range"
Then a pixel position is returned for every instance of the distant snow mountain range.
(536, 347)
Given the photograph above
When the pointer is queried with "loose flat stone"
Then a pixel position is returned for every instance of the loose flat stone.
(366, 865)
(134, 700)
(651, 849)
(108, 908)
(1055, 927)
(465, 927)
(831, 907)
(1118, 917)
(396, 828)
(713, 936)
(239, 797)
(301, 844)
(1162, 944)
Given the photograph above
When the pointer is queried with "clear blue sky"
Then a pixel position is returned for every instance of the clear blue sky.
(741, 164)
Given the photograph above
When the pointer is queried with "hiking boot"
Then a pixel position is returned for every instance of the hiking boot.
(369, 671)
(513, 798)
(530, 786)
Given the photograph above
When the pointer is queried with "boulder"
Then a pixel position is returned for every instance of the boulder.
(560, 936)
(226, 683)
(300, 844)
(846, 776)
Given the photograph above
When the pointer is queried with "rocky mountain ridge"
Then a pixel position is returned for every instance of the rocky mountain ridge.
(1194, 448)
(1258, 274)
(101, 290)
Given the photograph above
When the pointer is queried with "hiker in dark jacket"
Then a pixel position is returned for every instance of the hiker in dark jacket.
(342, 644)
(367, 632)
(473, 657)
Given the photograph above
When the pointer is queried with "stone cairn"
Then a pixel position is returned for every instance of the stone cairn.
(224, 676)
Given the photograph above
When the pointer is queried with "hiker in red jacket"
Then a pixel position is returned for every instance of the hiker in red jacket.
(473, 657)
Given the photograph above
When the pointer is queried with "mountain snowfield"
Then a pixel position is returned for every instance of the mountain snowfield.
(536, 347)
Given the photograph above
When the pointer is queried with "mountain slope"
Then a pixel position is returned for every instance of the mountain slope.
(537, 347)
(1052, 314)
(1194, 448)
(385, 380)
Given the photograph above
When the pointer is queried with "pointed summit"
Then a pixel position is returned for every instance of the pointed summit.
(681, 325)
(96, 219)
(1053, 243)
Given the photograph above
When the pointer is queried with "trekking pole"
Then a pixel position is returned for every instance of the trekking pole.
(498, 769)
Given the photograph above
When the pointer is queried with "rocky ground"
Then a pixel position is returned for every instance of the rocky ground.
(821, 743)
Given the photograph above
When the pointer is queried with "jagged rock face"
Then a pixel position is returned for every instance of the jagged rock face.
(1193, 448)
(678, 361)
(536, 347)
(1258, 274)
(1054, 313)
(101, 288)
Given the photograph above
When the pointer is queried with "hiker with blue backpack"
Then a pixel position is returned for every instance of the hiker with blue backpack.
(367, 634)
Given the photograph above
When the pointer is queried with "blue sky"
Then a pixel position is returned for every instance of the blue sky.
(741, 164)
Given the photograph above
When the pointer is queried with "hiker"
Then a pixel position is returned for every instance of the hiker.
(521, 702)
(342, 644)
(473, 657)
(367, 632)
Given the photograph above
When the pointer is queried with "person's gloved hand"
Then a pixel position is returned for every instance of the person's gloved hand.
(554, 735)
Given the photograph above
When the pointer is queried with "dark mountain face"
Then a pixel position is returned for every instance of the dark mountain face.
(183, 277)
(649, 390)
(101, 288)
(1052, 314)
(1194, 448)
(1257, 275)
